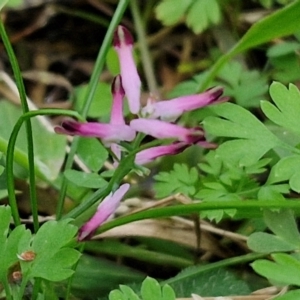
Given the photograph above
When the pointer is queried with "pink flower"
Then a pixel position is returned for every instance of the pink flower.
(108, 133)
(113, 132)
(171, 109)
(148, 155)
(163, 130)
(123, 44)
(105, 209)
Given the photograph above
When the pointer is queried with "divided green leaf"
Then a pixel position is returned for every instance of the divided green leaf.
(54, 258)
(247, 87)
(150, 290)
(251, 138)
(263, 242)
(287, 169)
(286, 110)
(285, 269)
(9, 242)
(171, 11)
(209, 11)
(199, 14)
(179, 180)
(283, 224)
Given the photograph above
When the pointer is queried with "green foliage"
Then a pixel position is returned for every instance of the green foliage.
(9, 242)
(225, 181)
(290, 295)
(112, 62)
(286, 110)
(287, 169)
(87, 148)
(222, 181)
(281, 23)
(246, 87)
(285, 60)
(49, 156)
(52, 256)
(237, 170)
(284, 270)
(11, 3)
(1, 167)
(150, 289)
(101, 102)
(199, 14)
(92, 270)
(83, 179)
(285, 238)
(251, 138)
(270, 3)
(217, 282)
(180, 180)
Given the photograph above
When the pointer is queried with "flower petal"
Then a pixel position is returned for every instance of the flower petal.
(105, 209)
(163, 130)
(123, 44)
(148, 155)
(118, 93)
(171, 109)
(108, 133)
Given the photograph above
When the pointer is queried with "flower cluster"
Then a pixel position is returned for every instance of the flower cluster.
(155, 119)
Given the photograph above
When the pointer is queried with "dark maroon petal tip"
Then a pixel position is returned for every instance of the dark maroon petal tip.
(122, 36)
(117, 87)
(81, 237)
(70, 126)
(216, 92)
(196, 136)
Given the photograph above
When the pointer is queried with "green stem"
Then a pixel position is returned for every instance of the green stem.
(22, 93)
(215, 69)
(100, 61)
(10, 152)
(122, 170)
(7, 290)
(83, 15)
(212, 266)
(36, 288)
(69, 286)
(145, 53)
(126, 165)
(188, 209)
(22, 288)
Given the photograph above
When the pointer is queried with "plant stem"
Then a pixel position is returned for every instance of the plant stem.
(145, 53)
(10, 153)
(125, 166)
(100, 61)
(21, 89)
(187, 209)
